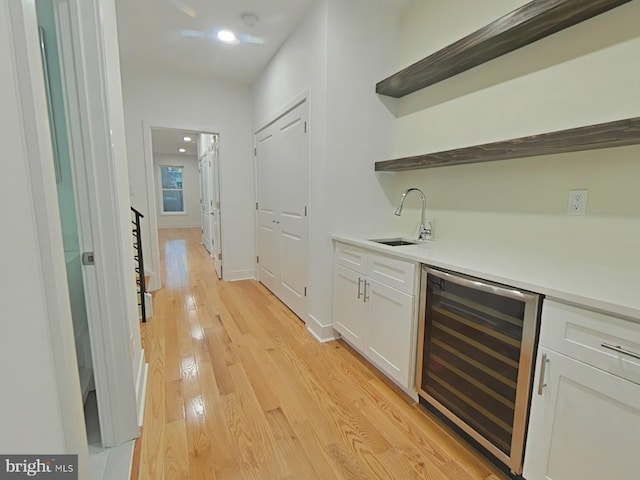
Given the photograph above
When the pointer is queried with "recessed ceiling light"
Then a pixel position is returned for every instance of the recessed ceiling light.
(187, 139)
(227, 36)
(181, 150)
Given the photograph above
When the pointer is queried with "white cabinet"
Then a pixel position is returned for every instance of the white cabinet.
(585, 413)
(374, 310)
(389, 331)
(348, 306)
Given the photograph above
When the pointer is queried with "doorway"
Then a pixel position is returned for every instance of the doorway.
(66, 193)
(95, 224)
(282, 173)
(187, 185)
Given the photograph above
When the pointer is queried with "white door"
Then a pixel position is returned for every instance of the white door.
(584, 425)
(216, 234)
(389, 329)
(282, 157)
(203, 212)
(93, 109)
(206, 201)
(268, 247)
(349, 309)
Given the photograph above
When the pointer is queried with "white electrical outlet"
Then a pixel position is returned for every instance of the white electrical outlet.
(577, 204)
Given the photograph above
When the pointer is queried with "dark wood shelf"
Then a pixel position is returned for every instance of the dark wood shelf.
(591, 137)
(525, 25)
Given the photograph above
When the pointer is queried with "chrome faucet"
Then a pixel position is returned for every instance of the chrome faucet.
(425, 227)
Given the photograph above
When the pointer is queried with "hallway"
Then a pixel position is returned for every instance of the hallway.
(238, 389)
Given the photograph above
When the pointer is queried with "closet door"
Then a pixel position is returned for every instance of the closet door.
(282, 159)
(216, 223)
(268, 249)
(205, 175)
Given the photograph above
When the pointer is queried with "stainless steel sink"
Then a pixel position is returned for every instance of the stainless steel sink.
(395, 242)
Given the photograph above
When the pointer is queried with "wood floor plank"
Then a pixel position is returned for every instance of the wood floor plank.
(238, 389)
(270, 461)
(222, 452)
(288, 442)
(174, 401)
(176, 457)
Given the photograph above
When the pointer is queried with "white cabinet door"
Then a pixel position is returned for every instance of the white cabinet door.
(349, 309)
(390, 330)
(584, 426)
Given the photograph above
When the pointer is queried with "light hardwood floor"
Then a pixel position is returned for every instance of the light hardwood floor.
(238, 389)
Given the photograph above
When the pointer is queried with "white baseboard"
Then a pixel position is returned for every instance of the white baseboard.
(141, 387)
(148, 305)
(154, 280)
(179, 226)
(238, 275)
(322, 333)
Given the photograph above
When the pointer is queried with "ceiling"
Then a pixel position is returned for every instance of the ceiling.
(181, 34)
(167, 141)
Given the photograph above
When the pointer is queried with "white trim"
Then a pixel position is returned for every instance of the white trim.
(141, 388)
(152, 209)
(322, 333)
(50, 249)
(119, 462)
(161, 227)
(298, 100)
(238, 275)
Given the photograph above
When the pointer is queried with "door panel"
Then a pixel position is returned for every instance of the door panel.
(293, 164)
(206, 227)
(203, 200)
(268, 251)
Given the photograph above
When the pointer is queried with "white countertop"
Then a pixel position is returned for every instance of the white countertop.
(597, 286)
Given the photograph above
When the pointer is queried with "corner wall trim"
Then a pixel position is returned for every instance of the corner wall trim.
(322, 333)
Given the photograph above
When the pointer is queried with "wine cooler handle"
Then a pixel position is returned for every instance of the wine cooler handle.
(543, 368)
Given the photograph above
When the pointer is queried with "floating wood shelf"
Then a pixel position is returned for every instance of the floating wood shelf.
(525, 25)
(591, 137)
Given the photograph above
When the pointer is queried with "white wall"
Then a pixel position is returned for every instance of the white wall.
(166, 99)
(300, 67)
(41, 411)
(337, 51)
(580, 76)
(190, 187)
(361, 46)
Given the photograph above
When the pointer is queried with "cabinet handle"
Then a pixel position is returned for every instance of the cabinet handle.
(359, 284)
(619, 349)
(366, 297)
(543, 368)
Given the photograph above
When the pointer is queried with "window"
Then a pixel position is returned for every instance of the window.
(172, 194)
